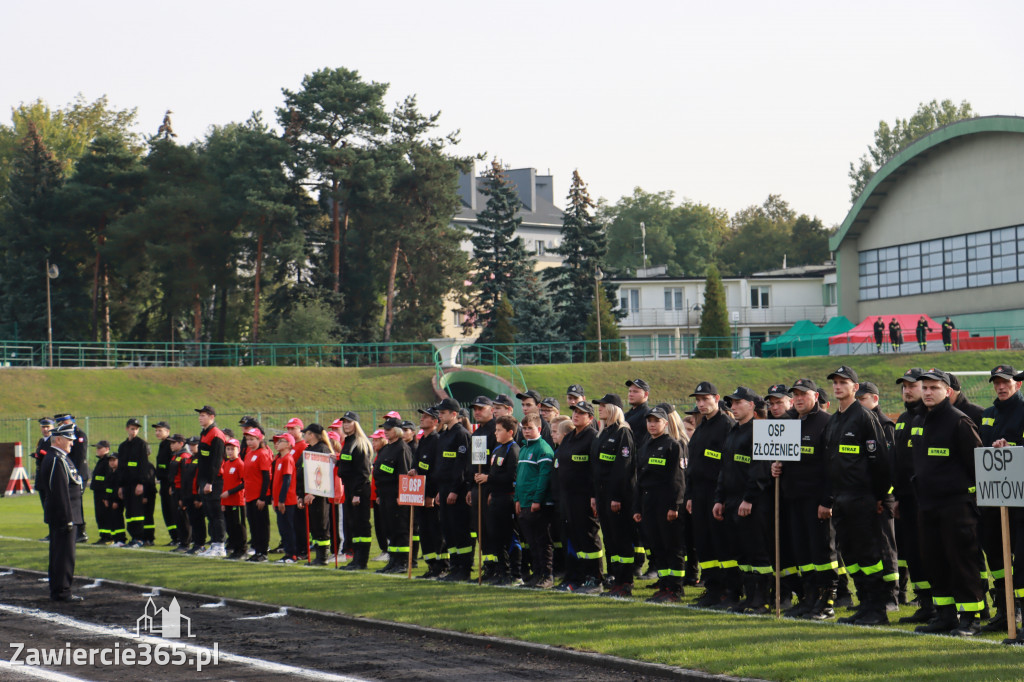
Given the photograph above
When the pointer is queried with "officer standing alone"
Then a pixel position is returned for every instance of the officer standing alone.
(61, 487)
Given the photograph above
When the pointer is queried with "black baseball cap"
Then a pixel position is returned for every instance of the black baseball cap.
(911, 376)
(350, 416)
(132, 422)
(657, 413)
(867, 388)
(249, 422)
(482, 401)
(585, 407)
(450, 404)
(779, 391)
(575, 390)
(744, 393)
(692, 411)
(390, 423)
(551, 402)
(954, 383)
(207, 409)
(502, 399)
(162, 425)
(314, 428)
(529, 394)
(1003, 372)
(805, 385)
(667, 408)
(609, 399)
(101, 444)
(639, 383)
(192, 440)
(844, 372)
(173, 438)
(430, 412)
(408, 425)
(936, 375)
(704, 388)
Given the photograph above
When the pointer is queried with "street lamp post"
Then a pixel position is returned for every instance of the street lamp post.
(598, 276)
(52, 272)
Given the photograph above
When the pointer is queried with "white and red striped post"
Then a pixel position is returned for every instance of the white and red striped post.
(19, 483)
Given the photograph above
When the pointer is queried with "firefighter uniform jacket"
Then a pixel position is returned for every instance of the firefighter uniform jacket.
(637, 420)
(354, 466)
(393, 460)
(1005, 419)
(741, 477)
(944, 457)
(486, 429)
(133, 455)
(970, 409)
(426, 461)
(907, 426)
(163, 461)
(858, 461)
(572, 459)
(62, 489)
(101, 478)
(705, 449)
(612, 457)
(658, 471)
(211, 453)
(501, 472)
(808, 478)
(453, 461)
(79, 454)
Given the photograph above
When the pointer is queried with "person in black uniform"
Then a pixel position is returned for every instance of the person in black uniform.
(431, 538)
(318, 441)
(162, 430)
(638, 395)
(912, 569)
(183, 535)
(133, 455)
(392, 461)
(1002, 425)
(612, 456)
(804, 486)
(39, 454)
(209, 482)
(658, 502)
(742, 501)
(98, 485)
(498, 486)
(574, 394)
(191, 499)
(780, 406)
(62, 489)
(922, 333)
(960, 401)
(355, 462)
(530, 404)
(879, 334)
(860, 480)
(453, 476)
(113, 505)
(80, 458)
(578, 509)
(483, 417)
(947, 333)
(948, 513)
(895, 334)
(702, 469)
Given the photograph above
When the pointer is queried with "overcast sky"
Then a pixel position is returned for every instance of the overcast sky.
(722, 103)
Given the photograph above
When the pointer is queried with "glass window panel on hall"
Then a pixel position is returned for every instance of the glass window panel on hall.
(965, 261)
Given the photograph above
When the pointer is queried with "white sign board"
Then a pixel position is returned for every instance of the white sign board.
(777, 440)
(1000, 476)
(479, 449)
(318, 473)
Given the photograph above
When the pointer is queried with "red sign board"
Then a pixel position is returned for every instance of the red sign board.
(411, 490)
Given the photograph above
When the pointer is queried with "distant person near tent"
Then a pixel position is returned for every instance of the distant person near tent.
(922, 333)
(947, 333)
(879, 334)
(895, 334)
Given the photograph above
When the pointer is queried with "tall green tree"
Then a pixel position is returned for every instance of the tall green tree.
(583, 249)
(535, 318)
(809, 241)
(500, 259)
(759, 237)
(626, 239)
(332, 122)
(889, 140)
(612, 348)
(698, 231)
(714, 332)
(105, 187)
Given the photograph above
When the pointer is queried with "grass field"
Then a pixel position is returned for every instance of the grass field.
(692, 638)
(173, 391)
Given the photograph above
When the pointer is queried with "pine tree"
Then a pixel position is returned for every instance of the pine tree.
(503, 330)
(583, 250)
(536, 323)
(500, 259)
(714, 339)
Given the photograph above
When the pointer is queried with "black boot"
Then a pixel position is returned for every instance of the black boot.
(321, 556)
(758, 600)
(824, 607)
(945, 621)
(926, 610)
(748, 594)
(998, 623)
(808, 598)
(967, 625)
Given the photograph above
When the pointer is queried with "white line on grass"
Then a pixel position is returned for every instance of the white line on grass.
(112, 631)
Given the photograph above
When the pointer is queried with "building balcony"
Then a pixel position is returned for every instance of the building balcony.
(774, 316)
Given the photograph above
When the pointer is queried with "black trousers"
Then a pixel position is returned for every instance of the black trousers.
(709, 540)
(234, 521)
(992, 542)
(862, 544)
(184, 523)
(169, 512)
(61, 569)
(380, 527)
(431, 537)
(455, 526)
(138, 514)
(618, 529)
(396, 518)
(751, 534)
(213, 509)
(319, 523)
(259, 526)
(581, 529)
(357, 521)
(101, 514)
(300, 531)
(499, 529)
(197, 519)
(664, 538)
(949, 546)
(812, 541)
(908, 544)
(536, 529)
(114, 520)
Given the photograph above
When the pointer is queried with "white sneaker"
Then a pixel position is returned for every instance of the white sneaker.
(383, 557)
(216, 550)
(250, 551)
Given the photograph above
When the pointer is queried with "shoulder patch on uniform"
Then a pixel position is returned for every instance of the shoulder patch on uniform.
(871, 445)
(462, 449)
(625, 452)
